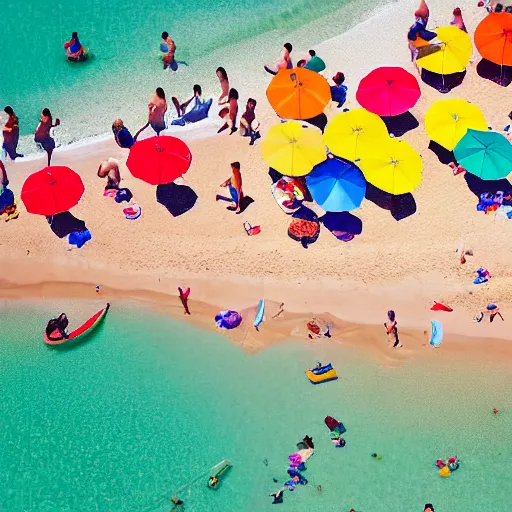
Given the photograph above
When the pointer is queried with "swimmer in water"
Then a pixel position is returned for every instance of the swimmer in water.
(375, 456)
(157, 108)
(167, 42)
(74, 49)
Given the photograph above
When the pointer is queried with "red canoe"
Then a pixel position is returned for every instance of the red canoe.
(84, 329)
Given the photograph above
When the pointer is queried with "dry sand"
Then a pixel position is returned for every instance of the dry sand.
(403, 266)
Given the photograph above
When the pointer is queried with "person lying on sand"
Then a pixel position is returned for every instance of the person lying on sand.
(110, 169)
(284, 61)
(281, 310)
(234, 185)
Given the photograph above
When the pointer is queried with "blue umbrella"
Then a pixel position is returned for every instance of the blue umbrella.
(337, 185)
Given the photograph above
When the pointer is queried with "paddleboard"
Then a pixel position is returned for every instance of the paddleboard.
(259, 313)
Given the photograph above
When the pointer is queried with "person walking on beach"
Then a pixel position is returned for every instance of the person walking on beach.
(392, 329)
(11, 132)
(169, 48)
(224, 85)
(284, 61)
(234, 185)
(157, 108)
(122, 135)
(229, 113)
(42, 136)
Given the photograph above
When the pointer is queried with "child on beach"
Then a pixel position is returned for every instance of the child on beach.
(234, 185)
(392, 330)
(11, 132)
(42, 136)
(122, 135)
(224, 85)
(284, 61)
(229, 113)
(339, 89)
(249, 126)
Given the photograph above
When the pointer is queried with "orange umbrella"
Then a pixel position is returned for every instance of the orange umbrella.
(493, 38)
(298, 93)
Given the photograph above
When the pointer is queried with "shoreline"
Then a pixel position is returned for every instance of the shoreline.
(490, 341)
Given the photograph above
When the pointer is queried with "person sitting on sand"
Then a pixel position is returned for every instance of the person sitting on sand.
(312, 62)
(42, 136)
(284, 61)
(74, 49)
(339, 89)
(182, 108)
(157, 107)
(224, 85)
(110, 169)
(229, 113)
(169, 48)
(392, 329)
(122, 135)
(11, 133)
(56, 328)
(234, 185)
(249, 126)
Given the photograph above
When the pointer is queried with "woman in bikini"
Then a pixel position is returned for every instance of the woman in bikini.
(392, 330)
(224, 85)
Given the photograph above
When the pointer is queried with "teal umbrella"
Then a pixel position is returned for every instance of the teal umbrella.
(485, 154)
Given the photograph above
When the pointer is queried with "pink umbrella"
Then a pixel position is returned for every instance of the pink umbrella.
(388, 91)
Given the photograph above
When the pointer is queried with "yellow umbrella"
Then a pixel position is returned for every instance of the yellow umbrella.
(348, 130)
(447, 121)
(392, 166)
(293, 150)
(453, 55)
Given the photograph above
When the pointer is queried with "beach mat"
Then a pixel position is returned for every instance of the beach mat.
(178, 199)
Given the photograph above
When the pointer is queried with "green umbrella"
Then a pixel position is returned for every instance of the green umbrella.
(485, 154)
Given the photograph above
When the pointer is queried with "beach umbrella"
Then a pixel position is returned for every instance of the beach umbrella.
(455, 50)
(392, 166)
(298, 93)
(337, 185)
(349, 130)
(52, 190)
(485, 154)
(388, 91)
(159, 160)
(493, 38)
(447, 121)
(293, 150)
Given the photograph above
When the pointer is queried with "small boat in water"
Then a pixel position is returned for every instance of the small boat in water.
(217, 473)
(322, 374)
(82, 331)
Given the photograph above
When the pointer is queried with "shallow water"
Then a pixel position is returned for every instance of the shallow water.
(123, 40)
(147, 405)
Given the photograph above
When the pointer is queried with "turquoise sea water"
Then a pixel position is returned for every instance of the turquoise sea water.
(123, 38)
(148, 405)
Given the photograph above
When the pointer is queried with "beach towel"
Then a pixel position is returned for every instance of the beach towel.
(288, 194)
(178, 199)
(437, 333)
(440, 307)
(228, 319)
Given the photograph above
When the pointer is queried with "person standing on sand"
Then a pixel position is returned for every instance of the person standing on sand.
(224, 85)
(11, 132)
(229, 113)
(234, 184)
(157, 108)
(392, 329)
(284, 61)
(42, 136)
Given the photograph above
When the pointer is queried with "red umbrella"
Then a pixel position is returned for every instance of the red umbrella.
(388, 91)
(52, 190)
(159, 160)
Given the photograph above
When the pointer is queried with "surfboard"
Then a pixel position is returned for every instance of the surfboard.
(259, 313)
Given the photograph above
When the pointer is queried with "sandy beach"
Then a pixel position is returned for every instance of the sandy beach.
(403, 266)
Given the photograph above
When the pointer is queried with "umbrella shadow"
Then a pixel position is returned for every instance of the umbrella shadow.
(479, 186)
(401, 124)
(342, 221)
(444, 155)
(501, 75)
(177, 199)
(442, 83)
(320, 121)
(400, 206)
